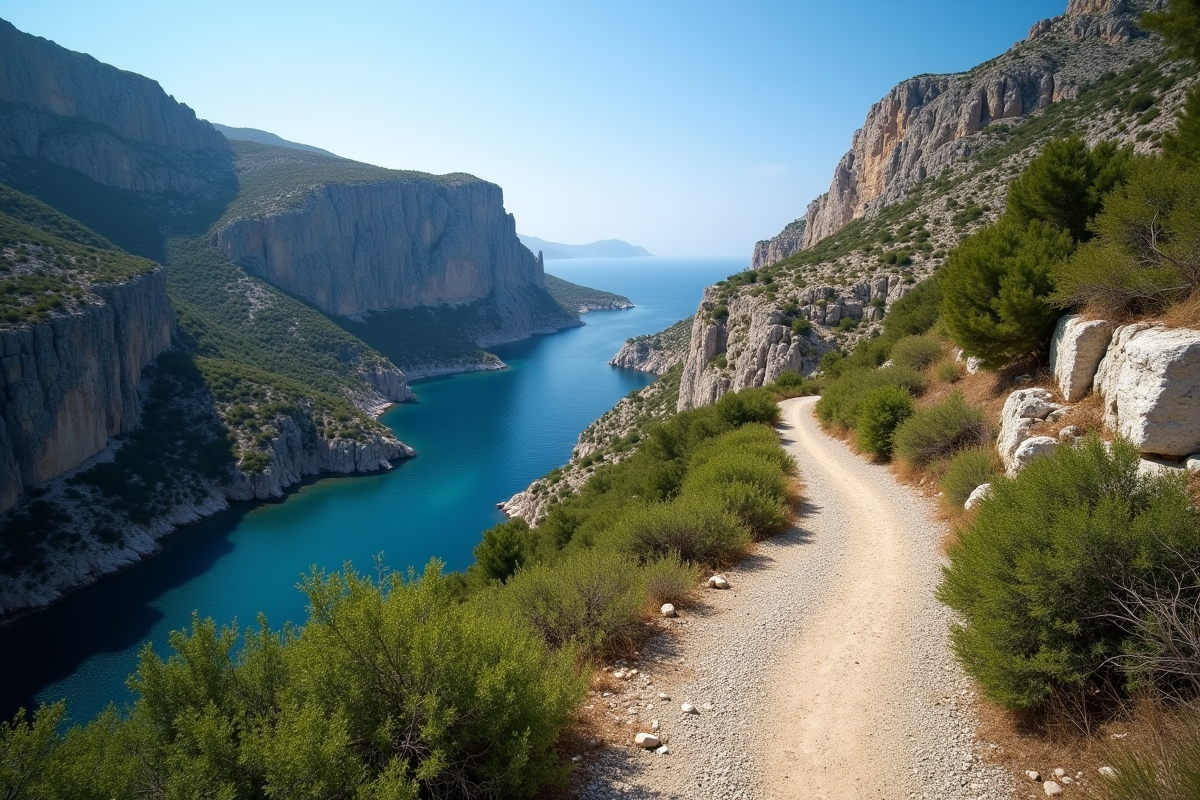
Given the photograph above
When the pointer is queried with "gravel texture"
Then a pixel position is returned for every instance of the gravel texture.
(823, 672)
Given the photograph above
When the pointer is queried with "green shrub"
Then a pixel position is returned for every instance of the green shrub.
(1144, 257)
(939, 430)
(590, 599)
(843, 397)
(801, 326)
(747, 406)
(503, 550)
(967, 471)
(917, 352)
(669, 579)
(1040, 574)
(881, 412)
(700, 529)
(847, 324)
(792, 384)
(950, 371)
(996, 287)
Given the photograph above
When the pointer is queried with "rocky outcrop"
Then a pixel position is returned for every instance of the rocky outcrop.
(351, 249)
(658, 352)
(777, 248)
(1150, 382)
(296, 454)
(1023, 411)
(115, 127)
(923, 125)
(1076, 350)
(69, 384)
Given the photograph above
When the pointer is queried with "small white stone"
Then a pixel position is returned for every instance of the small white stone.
(577, 759)
(688, 708)
(663, 696)
(1033, 775)
(718, 582)
(653, 724)
(619, 674)
(1067, 780)
(668, 610)
(707, 706)
(664, 750)
(647, 740)
(1052, 789)
(1059, 772)
(1108, 772)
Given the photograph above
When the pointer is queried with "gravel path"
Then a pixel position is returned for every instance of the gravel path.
(824, 672)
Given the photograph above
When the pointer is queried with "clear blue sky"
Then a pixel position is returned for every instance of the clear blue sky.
(691, 128)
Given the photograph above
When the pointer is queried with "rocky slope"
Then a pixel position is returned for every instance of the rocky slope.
(930, 166)
(656, 352)
(780, 246)
(117, 128)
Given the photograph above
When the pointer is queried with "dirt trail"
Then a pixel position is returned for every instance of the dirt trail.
(827, 664)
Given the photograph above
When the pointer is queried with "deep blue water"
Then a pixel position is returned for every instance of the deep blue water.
(480, 438)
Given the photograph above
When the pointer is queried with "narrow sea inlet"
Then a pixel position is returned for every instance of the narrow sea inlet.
(480, 438)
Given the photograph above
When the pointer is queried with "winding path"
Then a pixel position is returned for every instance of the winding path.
(827, 665)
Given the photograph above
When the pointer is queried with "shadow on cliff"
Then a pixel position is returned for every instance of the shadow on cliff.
(109, 616)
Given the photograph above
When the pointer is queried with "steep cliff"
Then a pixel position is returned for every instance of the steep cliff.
(354, 240)
(118, 128)
(927, 123)
(931, 165)
(656, 352)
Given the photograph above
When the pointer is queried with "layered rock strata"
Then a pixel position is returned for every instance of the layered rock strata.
(656, 353)
(68, 384)
(780, 246)
(117, 128)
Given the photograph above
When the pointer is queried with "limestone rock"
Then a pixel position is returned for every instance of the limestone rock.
(1033, 775)
(1022, 410)
(1076, 350)
(980, 494)
(668, 610)
(1150, 381)
(688, 708)
(1068, 434)
(1159, 466)
(718, 582)
(1030, 450)
(117, 128)
(1052, 789)
(779, 247)
(648, 741)
(663, 750)
(68, 384)
(1192, 463)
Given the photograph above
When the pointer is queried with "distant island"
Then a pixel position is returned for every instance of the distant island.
(605, 248)
(266, 137)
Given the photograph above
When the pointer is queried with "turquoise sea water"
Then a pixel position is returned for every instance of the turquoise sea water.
(480, 438)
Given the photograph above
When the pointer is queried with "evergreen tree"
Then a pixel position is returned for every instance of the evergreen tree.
(996, 286)
(1065, 185)
(1179, 26)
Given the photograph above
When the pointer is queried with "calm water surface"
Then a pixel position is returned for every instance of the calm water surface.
(480, 438)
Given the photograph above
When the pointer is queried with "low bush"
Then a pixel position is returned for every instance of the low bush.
(967, 471)
(917, 352)
(700, 529)
(669, 579)
(882, 411)
(792, 384)
(939, 430)
(1040, 574)
(843, 398)
(589, 599)
(950, 371)
(1165, 768)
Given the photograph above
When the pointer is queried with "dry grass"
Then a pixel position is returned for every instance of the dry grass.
(1049, 741)
(1185, 314)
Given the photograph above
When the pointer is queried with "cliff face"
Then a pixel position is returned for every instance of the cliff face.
(118, 128)
(779, 247)
(921, 126)
(69, 384)
(354, 248)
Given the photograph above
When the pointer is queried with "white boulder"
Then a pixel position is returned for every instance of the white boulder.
(1150, 381)
(1023, 409)
(1076, 351)
(1192, 463)
(1052, 789)
(668, 610)
(648, 741)
(718, 582)
(980, 494)
(1159, 466)
(1031, 449)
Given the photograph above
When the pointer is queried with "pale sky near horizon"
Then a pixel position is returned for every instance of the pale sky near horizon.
(690, 128)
